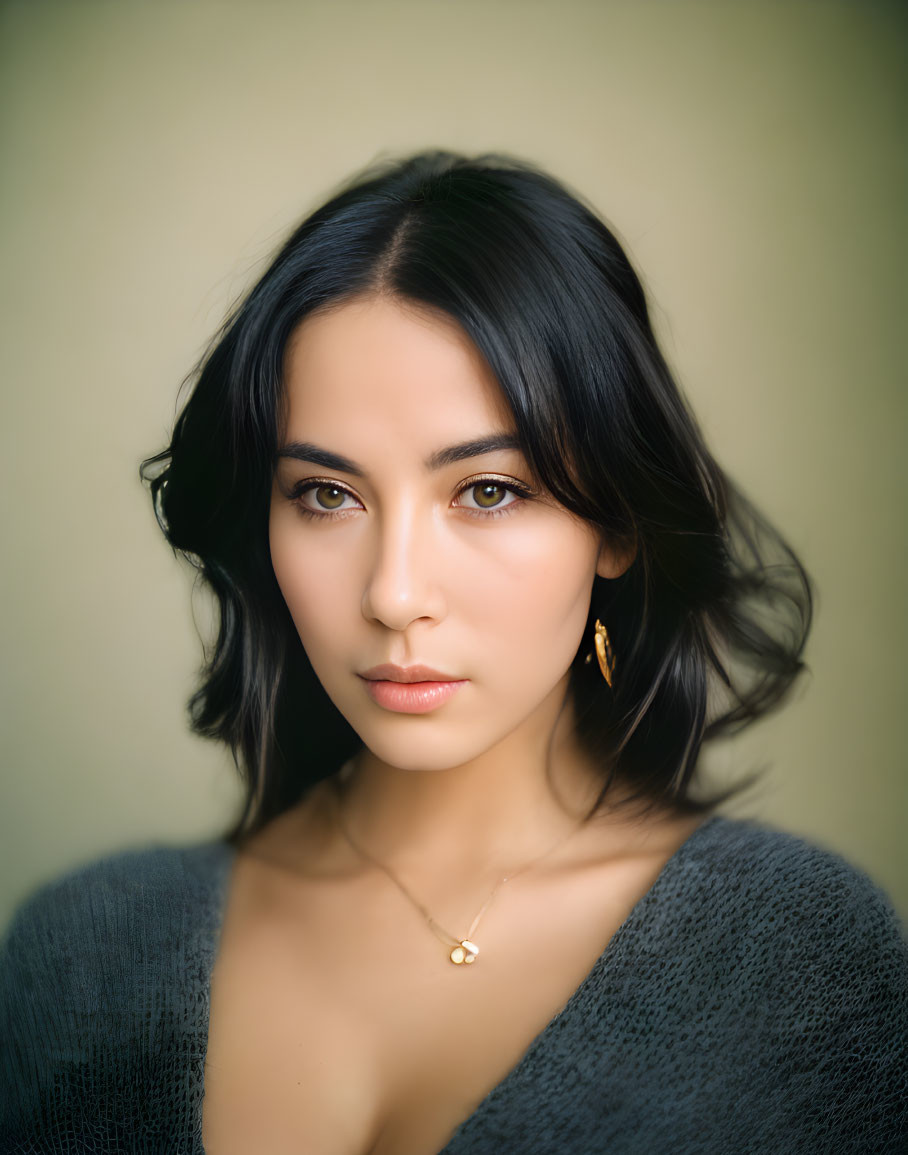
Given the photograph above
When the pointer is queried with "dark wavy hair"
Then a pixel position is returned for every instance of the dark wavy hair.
(708, 623)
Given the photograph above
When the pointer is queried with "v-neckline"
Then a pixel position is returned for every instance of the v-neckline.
(570, 1008)
(220, 888)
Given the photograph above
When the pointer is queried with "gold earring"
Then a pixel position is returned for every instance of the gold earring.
(604, 652)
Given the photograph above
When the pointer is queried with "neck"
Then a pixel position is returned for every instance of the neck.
(485, 817)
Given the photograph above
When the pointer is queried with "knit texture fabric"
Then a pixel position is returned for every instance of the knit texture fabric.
(755, 1000)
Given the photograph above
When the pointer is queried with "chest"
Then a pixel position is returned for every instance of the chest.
(340, 1027)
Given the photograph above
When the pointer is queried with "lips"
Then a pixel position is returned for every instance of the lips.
(410, 689)
(406, 674)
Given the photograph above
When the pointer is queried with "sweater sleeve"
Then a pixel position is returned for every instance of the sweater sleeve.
(839, 1001)
(103, 989)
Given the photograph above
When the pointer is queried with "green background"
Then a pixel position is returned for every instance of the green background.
(752, 157)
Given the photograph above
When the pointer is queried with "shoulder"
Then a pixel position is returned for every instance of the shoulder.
(93, 927)
(115, 901)
(803, 966)
(150, 875)
(788, 904)
(103, 972)
(746, 870)
(771, 978)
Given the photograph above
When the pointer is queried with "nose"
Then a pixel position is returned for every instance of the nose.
(402, 584)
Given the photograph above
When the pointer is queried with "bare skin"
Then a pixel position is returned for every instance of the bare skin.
(338, 1025)
(407, 531)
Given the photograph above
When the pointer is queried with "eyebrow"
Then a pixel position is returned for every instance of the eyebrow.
(314, 454)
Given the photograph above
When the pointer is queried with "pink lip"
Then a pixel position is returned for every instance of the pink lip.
(414, 690)
(406, 674)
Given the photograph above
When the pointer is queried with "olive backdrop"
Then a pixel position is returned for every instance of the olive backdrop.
(750, 154)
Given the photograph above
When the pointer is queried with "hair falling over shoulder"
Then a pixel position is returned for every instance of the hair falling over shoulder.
(708, 623)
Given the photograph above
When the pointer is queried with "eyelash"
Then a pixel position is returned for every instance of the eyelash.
(520, 491)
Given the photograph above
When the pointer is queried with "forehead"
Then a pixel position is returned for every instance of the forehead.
(375, 372)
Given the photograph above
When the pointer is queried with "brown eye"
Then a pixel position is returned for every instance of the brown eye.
(329, 496)
(324, 499)
(487, 495)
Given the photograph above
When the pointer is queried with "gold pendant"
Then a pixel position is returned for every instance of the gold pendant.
(465, 953)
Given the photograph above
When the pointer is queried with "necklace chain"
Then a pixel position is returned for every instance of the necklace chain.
(464, 950)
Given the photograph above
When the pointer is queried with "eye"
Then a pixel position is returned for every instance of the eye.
(488, 494)
(328, 496)
(323, 498)
(491, 495)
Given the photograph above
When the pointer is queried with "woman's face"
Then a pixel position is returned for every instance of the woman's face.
(440, 597)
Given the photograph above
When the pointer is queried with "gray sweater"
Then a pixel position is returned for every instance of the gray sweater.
(755, 1000)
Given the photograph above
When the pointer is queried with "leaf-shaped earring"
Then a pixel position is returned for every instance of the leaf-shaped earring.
(604, 652)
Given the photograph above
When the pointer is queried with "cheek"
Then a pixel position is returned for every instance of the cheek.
(533, 594)
(311, 580)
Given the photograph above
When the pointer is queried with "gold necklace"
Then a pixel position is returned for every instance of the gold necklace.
(462, 951)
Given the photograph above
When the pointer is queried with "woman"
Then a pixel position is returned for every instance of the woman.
(483, 595)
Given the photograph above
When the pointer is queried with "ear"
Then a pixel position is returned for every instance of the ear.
(614, 559)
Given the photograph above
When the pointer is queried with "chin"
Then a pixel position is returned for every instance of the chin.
(421, 752)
